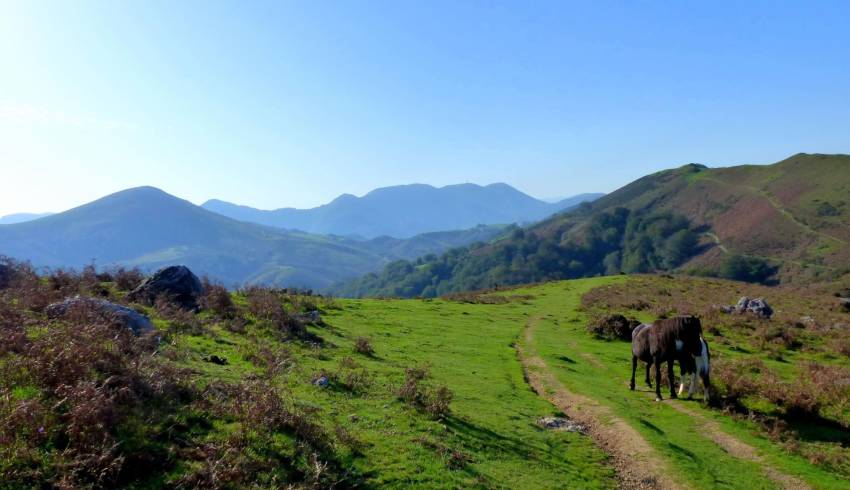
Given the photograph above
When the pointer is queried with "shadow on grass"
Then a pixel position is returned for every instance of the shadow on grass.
(649, 425)
(819, 429)
(683, 451)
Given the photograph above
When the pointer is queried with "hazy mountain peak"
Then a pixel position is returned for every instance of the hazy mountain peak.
(406, 210)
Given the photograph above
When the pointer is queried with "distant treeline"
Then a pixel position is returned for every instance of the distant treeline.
(616, 241)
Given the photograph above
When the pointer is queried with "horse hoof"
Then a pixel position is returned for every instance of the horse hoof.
(658, 398)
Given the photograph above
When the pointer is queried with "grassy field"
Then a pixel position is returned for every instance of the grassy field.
(261, 419)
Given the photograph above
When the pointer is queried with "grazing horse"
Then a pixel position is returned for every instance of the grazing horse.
(666, 340)
(697, 366)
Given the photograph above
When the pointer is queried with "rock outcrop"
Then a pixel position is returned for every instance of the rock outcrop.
(757, 307)
(177, 283)
(119, 314)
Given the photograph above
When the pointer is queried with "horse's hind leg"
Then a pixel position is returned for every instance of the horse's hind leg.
(648, 381)
(634, 368)
(671, 379)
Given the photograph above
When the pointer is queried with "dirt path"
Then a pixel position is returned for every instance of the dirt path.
(740, 449)
(637, 464)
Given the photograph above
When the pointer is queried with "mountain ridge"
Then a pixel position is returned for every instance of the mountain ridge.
(147, 227)
(406, 210)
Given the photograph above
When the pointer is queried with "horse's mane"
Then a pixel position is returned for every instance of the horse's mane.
(679, 323)
(685, 328)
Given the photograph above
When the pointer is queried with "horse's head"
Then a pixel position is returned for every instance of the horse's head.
(690, 333)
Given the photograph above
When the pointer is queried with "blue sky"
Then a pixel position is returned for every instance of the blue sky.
(292, 103)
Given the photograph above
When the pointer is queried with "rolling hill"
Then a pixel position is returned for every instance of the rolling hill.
(11, 219)
(788, 221)
(149, 228)
(407, 210)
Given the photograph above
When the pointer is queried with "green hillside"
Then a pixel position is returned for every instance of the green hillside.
(439, 393)
(787, 222)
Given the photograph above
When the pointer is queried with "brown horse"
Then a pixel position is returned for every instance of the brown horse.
(665, 340)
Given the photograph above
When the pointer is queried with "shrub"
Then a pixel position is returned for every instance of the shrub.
(216, 298)
(413, 391)
(352, 376)
(363, 346)
(268, 306)
(612, 327)
(127, 279)
(438, 401)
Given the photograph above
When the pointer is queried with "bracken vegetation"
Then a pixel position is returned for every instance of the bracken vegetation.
(86, 403)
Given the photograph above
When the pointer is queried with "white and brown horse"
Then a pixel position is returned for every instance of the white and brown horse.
(696, 366)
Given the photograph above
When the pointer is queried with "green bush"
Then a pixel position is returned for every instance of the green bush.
(748, 269)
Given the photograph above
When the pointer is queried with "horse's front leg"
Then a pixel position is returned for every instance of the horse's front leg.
(657, 362)
(634, 368)
(694, 384)
(671, 378)
(648, 381)
(682, 384)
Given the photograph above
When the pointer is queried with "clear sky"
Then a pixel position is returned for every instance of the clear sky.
(292, 103)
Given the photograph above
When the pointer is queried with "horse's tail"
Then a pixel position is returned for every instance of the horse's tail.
(638, 329)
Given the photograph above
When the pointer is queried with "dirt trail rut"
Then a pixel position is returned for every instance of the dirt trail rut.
(637, 464)
(740, 449)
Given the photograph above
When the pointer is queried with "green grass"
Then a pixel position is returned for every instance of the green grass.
(490, 439)
(470, 349)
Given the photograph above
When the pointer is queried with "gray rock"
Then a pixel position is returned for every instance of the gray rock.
(757, 306)
(176, 282)
(846, 303)
(126, 317)
(561, 423)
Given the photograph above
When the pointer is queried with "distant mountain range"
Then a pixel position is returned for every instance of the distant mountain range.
(149, 228)
(11, 219)
(407, 210)
(789, 221)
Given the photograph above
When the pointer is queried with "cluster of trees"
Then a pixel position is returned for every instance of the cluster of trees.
(616, 241)
(747, 269)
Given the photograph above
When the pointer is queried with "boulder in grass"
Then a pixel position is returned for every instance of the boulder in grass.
(561, 423)
(757, 307)
(221, 361)
(177, 283)
(119, 314)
